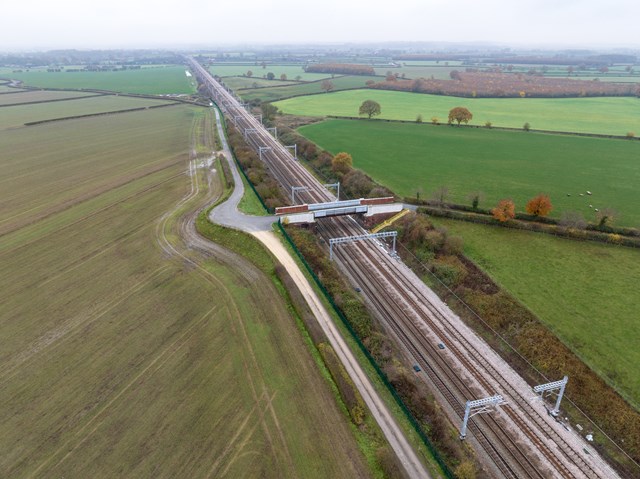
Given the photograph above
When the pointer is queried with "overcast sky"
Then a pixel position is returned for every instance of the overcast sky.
(47, 24)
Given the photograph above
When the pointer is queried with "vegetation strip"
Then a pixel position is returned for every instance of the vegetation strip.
(89, 115)
(52, 100)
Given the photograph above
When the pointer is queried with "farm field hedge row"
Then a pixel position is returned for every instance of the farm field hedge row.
(410, 158)
(17, 115)
(612, 116)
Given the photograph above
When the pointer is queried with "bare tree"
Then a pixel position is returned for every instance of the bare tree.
(440, 195)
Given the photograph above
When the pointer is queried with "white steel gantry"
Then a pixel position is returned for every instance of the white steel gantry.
(261, 149)
(351, 239)
(293, 192)
(336, 186)
(555, 385)
(295, 150)
(479, 406)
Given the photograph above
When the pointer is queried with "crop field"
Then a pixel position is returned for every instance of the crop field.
(598, 319)
(614, 116)
(308, 88)
(292, 71)
(236, 83)
(160, 80)
(116, 360)
(38, 95)
(18, 115)
(503, 164)
(8, 89)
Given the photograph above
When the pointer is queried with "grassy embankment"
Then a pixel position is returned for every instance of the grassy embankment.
(160, 80)
(410, 158)
(613, 116)
(132, 363)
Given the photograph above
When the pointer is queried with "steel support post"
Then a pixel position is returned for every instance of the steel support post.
(479, 406)
(555, 385)
(336, 186)
(295, 150)
(261, 149)
(293, 192)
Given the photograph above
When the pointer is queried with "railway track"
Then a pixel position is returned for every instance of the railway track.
(518, 440)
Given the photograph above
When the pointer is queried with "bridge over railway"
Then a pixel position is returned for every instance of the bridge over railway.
(308, 213)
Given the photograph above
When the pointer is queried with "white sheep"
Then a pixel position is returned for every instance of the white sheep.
(589, 193)
(590, 206)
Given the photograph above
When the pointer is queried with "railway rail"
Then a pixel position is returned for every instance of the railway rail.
(518, 440)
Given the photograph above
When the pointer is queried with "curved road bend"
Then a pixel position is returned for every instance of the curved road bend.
(227, 214)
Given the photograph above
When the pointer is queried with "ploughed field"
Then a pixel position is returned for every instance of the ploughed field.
(607, 115)
(411, 158)
(151, 80)
(118, 359)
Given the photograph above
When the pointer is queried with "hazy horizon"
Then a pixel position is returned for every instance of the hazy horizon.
(197, 23)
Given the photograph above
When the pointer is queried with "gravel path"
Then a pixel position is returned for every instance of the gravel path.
(228, 215)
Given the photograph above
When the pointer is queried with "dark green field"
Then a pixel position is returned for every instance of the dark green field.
(411, 157)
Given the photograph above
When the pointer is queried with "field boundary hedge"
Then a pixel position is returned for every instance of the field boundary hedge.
(502, 128)
(89, 115)
(53, 100)
(534, 226)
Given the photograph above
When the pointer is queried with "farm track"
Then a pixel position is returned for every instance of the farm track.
(517, 440)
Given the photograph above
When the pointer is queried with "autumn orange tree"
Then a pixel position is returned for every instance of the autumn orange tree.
(539, 205)
(505, 210)
(342, 163)
(460, 114)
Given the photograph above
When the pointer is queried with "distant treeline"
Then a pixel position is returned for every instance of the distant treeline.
(341, 68)
(592, 60)
(56, 58)
(431, 57)
(504, 85)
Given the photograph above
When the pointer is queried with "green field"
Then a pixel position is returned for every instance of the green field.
(161, 80)
(236, 83)
(409, 158)
(18, 115)
(439, 72)
(614, 116)
(586, 292)
(292, 71)
(38, 95)
(120, 359)
(273, 94)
